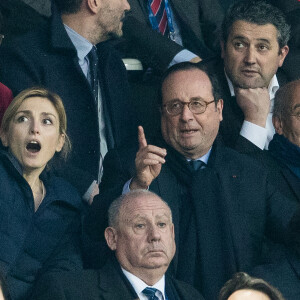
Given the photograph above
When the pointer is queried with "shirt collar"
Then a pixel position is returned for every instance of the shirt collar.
(82, 45)
(139, 285)
(273, 86)
(203, 158)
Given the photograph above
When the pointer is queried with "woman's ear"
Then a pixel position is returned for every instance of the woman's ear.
(4, 139)
(61, 142)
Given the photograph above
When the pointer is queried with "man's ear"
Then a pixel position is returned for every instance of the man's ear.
(94, 5)
(110, 234)
(277, 124)
(283, 52)
(220, 105)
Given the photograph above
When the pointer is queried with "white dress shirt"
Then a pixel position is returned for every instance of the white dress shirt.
(139, 285)
(259, 136)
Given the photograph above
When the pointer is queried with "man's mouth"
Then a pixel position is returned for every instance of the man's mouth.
(33, 146)
(188, 131)
(250, 72)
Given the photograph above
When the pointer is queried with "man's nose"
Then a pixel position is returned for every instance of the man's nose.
(250, 55)
(126, 5)
(154, 234)
(186, 113)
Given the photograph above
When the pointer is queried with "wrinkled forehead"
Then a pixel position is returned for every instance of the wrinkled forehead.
(146, 206)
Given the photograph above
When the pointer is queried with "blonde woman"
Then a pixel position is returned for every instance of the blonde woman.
(39, 213)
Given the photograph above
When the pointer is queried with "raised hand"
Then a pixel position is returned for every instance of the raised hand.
(255, 104)
(148, 162)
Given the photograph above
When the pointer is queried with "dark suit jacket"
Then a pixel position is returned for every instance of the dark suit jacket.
(198, 22)
(108, 283)
(251, 209)
(47, 57)
(280, 175)
(233, 116)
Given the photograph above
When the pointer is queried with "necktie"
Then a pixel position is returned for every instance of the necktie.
(159, 11)
(93, 65)
(150, 293)
(196, 164)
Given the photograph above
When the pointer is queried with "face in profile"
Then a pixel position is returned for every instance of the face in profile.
(289, 125)
(252, 55)
(190, 134)
(144, 238)
(111, 17)
(33, 134)
(248, 295)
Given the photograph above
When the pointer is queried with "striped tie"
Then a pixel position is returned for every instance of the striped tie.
(159, 11)
(150, 293)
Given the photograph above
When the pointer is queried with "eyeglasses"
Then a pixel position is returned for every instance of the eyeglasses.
(297, 115)
(1, 38)
(197, 107)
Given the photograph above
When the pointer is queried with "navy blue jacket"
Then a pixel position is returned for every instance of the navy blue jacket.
(47, 57)
(33, 243)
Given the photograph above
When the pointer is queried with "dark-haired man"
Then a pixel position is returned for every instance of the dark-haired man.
(222, 202)
(254, 45)
(91, 80)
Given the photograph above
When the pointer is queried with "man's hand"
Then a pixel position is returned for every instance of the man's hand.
(255, 104)
(148, 162)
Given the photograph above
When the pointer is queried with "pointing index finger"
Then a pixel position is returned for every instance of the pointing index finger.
(142, 138)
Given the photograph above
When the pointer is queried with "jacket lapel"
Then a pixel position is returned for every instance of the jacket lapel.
(292, 181)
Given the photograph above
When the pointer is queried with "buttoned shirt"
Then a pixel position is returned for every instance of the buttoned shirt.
(139, 285)
(259, 136)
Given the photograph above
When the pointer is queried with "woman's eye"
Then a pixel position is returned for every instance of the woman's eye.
(47, 122)
(22, 119)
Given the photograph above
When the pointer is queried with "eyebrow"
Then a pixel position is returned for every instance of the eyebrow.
(29, 112)
(241, 37)
(191, 99)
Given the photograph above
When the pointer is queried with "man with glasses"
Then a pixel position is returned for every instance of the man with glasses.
(223, 206)
(283, 157)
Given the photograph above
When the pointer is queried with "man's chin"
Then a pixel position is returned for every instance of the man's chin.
(115, 34)
(250, 84)
(156, 264)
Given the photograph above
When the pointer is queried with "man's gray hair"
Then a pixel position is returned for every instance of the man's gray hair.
(115, 206)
